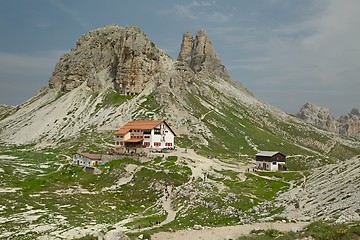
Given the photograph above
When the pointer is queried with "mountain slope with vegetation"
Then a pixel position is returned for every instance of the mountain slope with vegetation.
(115, 74)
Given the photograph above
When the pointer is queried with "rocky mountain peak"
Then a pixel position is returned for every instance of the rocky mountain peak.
(350, 124)
(318, 116)
(355, 111)
(321, 117)
(200, 54)
(122, 58)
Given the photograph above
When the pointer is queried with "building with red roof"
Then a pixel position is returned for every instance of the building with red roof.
(156, 134)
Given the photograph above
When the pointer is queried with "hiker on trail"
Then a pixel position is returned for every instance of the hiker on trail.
(205, 176)
(151, 223)
(297, 205)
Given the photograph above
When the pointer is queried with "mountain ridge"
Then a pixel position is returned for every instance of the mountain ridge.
(205, 181)
(210, 111)
(321, 117)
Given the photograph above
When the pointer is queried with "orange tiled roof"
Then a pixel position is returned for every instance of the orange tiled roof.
(122, 131)
(138, 125)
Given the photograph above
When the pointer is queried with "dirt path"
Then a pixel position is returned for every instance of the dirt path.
(231, 232)
(167, 207)
(201, 166)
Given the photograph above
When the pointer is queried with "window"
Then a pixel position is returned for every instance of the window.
(146, 136)
(157, 144)
(168, 144)
(273, 163)
(146, 144)
(121, 143)
(157, 131)
(147, 131)
(117, 143)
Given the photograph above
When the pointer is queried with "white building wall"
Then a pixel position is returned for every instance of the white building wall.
(273, 167)
(155, 138)
(165, 136)
(269, 165)
(84, 161)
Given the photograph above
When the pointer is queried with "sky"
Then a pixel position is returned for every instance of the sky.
(286, 52)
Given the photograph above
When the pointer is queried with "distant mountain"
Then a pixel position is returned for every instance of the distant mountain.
(348, 125)
(116, 74)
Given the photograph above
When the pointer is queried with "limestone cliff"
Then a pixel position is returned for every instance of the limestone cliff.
(111, 56)
(195, 94)
(82, 91)
(348, 125)
(318, 116)
(200, 55)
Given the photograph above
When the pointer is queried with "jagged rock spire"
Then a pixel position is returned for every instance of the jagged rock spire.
(186, 47)
(200, 55)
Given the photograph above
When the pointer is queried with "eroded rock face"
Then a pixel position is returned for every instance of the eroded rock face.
(350, 124)
(123, 56)
(321, 117)
(328, 193)
(318, 116)
(200, 55)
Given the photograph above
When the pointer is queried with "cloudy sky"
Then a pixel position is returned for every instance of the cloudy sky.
(287, 52)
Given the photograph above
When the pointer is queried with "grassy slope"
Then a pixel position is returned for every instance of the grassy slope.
(238, 130)
(78, 197)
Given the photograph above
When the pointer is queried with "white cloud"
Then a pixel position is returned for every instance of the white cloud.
(184, 12)
(253, 64)
(333, 47)
(316, 55)
(75, 15)
(201, 4)
(201, 11)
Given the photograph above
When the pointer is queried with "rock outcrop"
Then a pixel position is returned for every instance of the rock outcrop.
(200, 55)
(80, 94)
(111, 56)
(349, 124)
(195, 95)
(321, 117)
(328, 193)
(318, 116)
